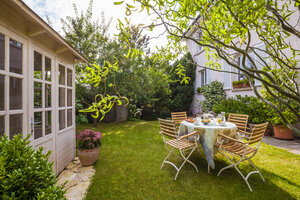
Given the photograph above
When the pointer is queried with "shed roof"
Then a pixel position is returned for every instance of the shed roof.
(17, 13)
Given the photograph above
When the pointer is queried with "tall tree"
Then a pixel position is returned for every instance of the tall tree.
(229, 26)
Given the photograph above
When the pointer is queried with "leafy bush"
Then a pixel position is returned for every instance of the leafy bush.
(257, 110)
(26, 173)
(213, 94)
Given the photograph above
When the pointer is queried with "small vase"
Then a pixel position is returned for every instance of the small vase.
(88, 157)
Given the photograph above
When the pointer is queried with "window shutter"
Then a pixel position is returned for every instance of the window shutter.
(226, 76)
(259, 63)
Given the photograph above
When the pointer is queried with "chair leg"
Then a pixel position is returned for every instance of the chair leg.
(237, 169)
(257, 171)
(186, 160)
(171, 151)
(227, 167)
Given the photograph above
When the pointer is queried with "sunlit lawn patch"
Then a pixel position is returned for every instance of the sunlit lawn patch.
(129, 168)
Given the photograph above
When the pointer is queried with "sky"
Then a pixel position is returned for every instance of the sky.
(57, 9)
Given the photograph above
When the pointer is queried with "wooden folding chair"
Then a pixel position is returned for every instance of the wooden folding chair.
(241, 122)
(178, 117)
(174, 142)
(244, 150)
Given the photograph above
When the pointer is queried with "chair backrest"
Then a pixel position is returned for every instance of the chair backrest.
(178, 117)
(239, 120)
(257, 133)
(168, 128)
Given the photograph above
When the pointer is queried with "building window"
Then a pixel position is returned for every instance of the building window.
(248, 64)
(240, 76)
(203, 78)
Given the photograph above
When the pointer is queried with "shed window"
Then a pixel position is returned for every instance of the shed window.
(2, 86)
(15, 93)
(2, 46)
(62, 120)
(38, 65)
(11, 86)
(15, 124)
(2, 125)
(65, 98)
(38, 125)
(42, 95)
(47, 69)
(15, 56)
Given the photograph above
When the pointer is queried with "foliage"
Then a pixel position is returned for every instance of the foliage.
(226, 28)
(182, 94)
(80, 117)
(274, 117)
(89, 139)
(91, 39)
(199, 89)
(26, 173)
(257, 110)
(213, 94)
(124, 169)
(241, 82)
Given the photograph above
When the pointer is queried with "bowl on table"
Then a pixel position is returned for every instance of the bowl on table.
(205, 121)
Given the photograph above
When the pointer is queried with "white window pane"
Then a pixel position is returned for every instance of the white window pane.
(15, 56)
(15, 93)
(15, 125)
(38, 125)
(2, 47)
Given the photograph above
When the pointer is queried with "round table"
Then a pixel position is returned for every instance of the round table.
(208, 135)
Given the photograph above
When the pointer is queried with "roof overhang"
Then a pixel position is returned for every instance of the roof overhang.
(28, 21)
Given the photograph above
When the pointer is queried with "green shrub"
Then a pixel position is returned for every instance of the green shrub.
(213, 94)
(257, 110)
(26, 173)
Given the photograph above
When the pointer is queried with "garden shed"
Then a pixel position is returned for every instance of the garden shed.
(37, 86)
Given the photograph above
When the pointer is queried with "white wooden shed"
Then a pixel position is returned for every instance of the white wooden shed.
(37, 87)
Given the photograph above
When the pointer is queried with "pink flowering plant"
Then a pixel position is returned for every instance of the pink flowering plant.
(89, 139)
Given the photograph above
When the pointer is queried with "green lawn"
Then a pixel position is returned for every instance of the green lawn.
(128, 168)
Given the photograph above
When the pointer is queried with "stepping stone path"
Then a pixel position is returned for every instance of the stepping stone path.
(78, 179)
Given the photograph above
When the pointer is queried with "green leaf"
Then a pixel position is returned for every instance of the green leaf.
(118, 3)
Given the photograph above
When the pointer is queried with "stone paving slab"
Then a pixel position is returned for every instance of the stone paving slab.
(292, 146)
(77, 179)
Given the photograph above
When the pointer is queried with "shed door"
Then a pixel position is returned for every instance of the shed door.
(42, 102)
(13, 81)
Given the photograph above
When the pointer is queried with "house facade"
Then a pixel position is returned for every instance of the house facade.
(205, 76)
(37, 85)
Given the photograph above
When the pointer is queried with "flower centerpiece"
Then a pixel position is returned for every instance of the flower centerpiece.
(89, 143)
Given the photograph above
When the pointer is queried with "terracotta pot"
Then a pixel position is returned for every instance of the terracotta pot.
(234, 86)
(283, 132)
(88, 157)
(268, 132)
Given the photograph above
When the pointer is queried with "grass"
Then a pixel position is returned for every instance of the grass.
(128, 167)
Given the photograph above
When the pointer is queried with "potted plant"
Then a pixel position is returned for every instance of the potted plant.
(245, 83)
(235, 84)
(89, 143)
(281, 131)
(199, 90)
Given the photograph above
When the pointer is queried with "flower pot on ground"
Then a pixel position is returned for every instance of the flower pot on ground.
(89, 143)
(88, 157)
(283, 132)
